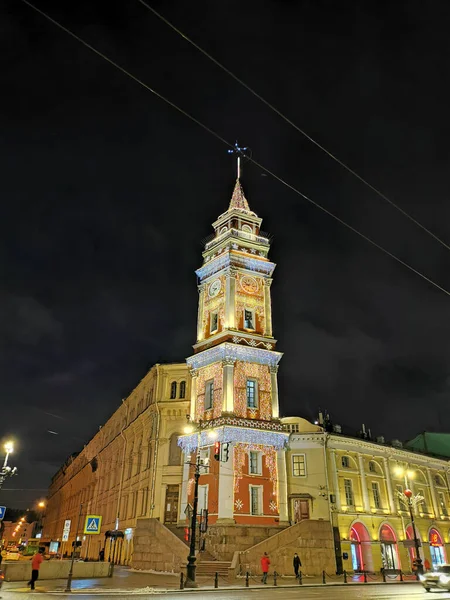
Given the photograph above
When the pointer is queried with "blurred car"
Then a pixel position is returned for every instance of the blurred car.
(438, 578)
(12, 555)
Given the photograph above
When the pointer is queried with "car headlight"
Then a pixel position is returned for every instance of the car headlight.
(422, 578)
(444, 579)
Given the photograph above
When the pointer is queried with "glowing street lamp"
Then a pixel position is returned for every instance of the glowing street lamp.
(7, 471)
(408, 498)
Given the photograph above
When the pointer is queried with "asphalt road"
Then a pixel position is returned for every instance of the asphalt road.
(379, 592)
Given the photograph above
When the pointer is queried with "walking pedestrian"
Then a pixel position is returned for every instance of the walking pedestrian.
(265, 563)
(35, 566)
(297, 564)
(101, 555)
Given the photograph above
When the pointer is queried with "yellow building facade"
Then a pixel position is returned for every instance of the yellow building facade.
(357, 485)
(131, 468)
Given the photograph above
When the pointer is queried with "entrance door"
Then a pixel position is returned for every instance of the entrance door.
(389, 556)
(171, 511)
(301, 510)
(437, 555)
(356, 556)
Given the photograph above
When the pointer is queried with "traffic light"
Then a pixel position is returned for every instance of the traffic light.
(225, 452)
(216, 450)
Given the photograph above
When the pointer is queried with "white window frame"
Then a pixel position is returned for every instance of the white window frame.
(216, 313)
(258, 462)
(293, 467)
(376, 494)
(255, 381)
(347, 489)
(252, 311)
(205, 456)
(203, 491)
(259, 489)
(209, 385)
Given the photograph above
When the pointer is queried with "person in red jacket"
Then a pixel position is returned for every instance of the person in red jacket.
(265, 563)
(35, 565)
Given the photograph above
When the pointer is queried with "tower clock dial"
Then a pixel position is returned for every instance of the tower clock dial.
(215, 288)
(249, 284)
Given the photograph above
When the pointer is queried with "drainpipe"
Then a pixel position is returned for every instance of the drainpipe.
(156, 439)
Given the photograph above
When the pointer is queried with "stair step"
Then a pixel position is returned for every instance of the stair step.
(211, 567)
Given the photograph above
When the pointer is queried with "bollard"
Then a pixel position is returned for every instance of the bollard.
(365, 576)
(275, 578)
(345, 576)
(246, 579)
(300, 578)
(323, 577)
(181, 581)
(216, 580)
(384, 575)
(401, 575)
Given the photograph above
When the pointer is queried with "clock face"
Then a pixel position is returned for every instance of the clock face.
(214, 288)
(249, 284)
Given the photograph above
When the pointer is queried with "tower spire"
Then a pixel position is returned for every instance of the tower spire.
(238, 151)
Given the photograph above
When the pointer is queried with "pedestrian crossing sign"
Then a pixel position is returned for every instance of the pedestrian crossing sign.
(92, 524)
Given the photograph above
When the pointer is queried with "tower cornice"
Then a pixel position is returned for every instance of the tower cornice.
(231, 351)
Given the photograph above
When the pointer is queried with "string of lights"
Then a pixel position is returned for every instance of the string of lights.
(231, 146)
(294, 125)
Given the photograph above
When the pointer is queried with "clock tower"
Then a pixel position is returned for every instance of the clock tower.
(234, 392)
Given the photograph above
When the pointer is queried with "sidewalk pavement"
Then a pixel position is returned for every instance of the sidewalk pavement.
(125, 580)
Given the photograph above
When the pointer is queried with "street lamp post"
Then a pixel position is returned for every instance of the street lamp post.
(191, 566)
(6, 470)
(410, 501)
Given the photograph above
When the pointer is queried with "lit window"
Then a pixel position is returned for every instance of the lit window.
(255, 463)
(183, 389)
(255, 500)
(443, 504)
(173, 390)
(214, 324)
(376, 495)
(345, 461)
(209, 394)
(249, 319)
(348, 488)
(298, 465)
(252, 393)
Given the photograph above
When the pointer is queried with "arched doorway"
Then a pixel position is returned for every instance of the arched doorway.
(389, 550)
(437, 550)
(361, 549)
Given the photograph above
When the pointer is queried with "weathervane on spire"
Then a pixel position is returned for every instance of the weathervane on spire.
(238, 151)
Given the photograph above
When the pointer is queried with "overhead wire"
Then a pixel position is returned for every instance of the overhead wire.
(224, 141)
(294, 125)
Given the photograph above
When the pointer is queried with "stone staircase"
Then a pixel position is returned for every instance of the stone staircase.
(208, 566)
(178, 531)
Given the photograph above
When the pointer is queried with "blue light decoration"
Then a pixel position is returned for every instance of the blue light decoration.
(277, 440)
(225, 260)
(230, 351)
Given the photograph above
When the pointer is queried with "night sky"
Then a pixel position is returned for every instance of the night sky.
(107, 193)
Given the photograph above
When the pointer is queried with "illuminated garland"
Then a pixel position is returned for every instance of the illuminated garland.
(231, 351)
(225, 260)
(213, 371)
(242, 435)
(242, 372)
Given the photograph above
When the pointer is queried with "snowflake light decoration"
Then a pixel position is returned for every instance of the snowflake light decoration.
(242, 372)
(273, 506)
(239, 505)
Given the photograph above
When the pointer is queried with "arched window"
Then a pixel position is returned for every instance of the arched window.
(174, 451)
(183, 389)
(173, 390)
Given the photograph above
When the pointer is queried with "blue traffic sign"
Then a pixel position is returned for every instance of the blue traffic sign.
(2, 512)
(92, 524)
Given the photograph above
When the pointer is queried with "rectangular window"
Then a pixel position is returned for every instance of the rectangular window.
(144, 501)
(249, 319)
(214, 324)
(204, 457)
(255, 463)
(345, 462)
(202, 498)
(299, 465)
(423, 506)
(209, 394)
(401, 505)
(348, 488)
(376, 495)
(372, 467)
(252, 393)
(255, 500)
(443, 504)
